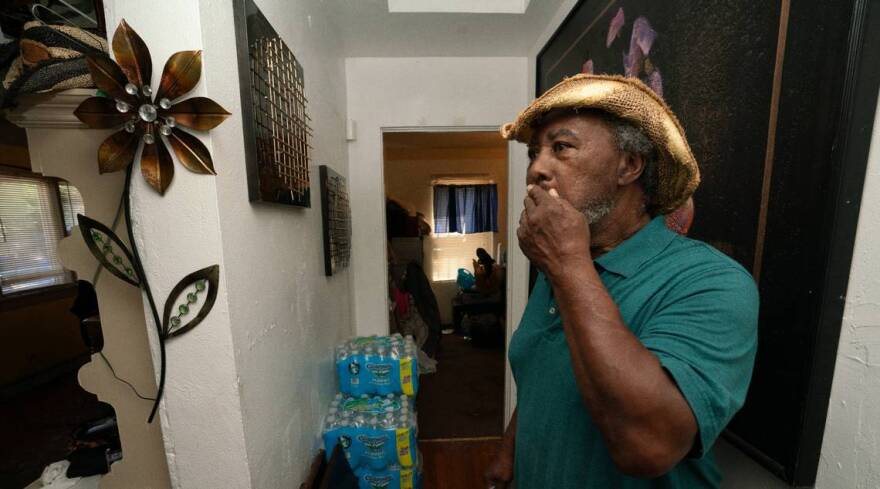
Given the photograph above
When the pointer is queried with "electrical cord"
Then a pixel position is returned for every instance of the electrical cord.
(123, 380)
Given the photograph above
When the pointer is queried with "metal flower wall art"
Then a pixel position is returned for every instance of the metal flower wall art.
(147, 118)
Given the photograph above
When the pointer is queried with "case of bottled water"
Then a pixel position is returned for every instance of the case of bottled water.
(393, 477)
(378, 365)
(375, 432)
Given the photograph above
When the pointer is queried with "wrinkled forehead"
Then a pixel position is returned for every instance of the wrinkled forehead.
(570, 122)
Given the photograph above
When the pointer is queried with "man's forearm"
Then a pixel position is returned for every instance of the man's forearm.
(632, 400)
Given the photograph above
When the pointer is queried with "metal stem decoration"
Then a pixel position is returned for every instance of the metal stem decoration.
(130, 106)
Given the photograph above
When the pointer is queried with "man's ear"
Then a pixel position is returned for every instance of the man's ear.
(630, 168)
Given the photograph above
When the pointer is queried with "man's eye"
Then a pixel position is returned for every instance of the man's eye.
(560, 146)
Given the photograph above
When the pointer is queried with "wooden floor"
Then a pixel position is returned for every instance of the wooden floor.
(457, 464)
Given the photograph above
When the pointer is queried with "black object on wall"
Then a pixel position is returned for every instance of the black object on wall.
(336, 221)
(778, 100)
(274, 116)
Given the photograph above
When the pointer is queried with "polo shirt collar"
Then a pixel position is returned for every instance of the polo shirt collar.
(626, 259)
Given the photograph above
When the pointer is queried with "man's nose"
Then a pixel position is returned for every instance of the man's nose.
(540, 168)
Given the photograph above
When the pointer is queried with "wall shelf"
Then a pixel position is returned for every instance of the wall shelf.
(50, 110)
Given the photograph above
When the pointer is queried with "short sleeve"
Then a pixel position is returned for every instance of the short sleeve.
(705, 336)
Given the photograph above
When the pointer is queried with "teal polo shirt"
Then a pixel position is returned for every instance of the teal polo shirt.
(691, 306)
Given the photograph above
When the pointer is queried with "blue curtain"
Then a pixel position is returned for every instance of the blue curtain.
(465, 209)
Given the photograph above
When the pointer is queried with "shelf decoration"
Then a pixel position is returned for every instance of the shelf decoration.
(149, 118)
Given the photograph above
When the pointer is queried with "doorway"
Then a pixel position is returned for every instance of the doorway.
(446, 198)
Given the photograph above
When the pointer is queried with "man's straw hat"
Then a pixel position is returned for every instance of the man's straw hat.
(629, 99)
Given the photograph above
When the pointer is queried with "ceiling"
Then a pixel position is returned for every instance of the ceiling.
(370, 30)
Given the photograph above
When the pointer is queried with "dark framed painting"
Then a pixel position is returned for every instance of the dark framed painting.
(777, 99)
(336, 220)
(275, 118)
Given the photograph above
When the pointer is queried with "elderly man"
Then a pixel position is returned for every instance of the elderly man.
(637, 344)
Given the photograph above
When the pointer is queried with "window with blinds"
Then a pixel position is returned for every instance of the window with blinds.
(32, 222)
(451, 251)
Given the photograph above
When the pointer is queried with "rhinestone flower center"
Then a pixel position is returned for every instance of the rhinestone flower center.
(147, 112)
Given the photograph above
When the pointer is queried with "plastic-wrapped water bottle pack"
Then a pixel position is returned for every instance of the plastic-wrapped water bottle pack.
(375, 432)
(378, 365)
(393, 477)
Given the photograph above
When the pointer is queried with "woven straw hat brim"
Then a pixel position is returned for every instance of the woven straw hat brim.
(631, 100)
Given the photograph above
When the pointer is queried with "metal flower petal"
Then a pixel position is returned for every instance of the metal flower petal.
(132, 55)
(100, 113)
(191, 152)
(104, 244)
(109, 77)
(117, 152)
(180, 75)
(202, 281)
(157, 166)
(199, 113)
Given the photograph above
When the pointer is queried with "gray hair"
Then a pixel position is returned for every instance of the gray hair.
(633, 139)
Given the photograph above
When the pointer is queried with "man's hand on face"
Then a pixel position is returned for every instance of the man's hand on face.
(551, 232)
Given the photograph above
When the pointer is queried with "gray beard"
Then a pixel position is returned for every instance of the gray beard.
(597, 209)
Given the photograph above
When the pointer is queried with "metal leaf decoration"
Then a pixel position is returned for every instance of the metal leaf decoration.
(100, 240)
(191, 152)
(144, 118)
(200, 283)
(180, 75)
(117, 151)
(109, 77)
(199, 113)
(100, 113)
(148, 118)
(132, 55)
(156, 166)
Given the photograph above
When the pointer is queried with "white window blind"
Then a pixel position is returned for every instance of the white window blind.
(71, 205)
(451, 251)
(30, 228)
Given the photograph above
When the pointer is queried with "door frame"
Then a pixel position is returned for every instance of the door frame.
(517, 265)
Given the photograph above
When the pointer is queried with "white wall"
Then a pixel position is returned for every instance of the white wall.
(179, 233)
(851, 448)
(412, 92)
(246, 389)
(285, 315)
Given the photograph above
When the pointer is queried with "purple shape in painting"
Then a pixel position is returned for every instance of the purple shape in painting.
(614, 27)
(655, 81)
(643, 35)
(588, 67)
(632, 62)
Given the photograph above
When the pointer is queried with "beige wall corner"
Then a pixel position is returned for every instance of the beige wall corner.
(60, 147)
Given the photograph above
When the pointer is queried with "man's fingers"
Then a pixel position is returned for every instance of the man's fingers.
(529, 204)
(553, 193)
(538, 194)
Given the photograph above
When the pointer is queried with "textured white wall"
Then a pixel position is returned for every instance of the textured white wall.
(412, 92)
(285, 315)
(177, 234)
(246, 389)
(851, 448)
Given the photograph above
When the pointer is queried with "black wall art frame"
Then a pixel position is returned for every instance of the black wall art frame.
(778, 100)
(336, 220)
(274, 115)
